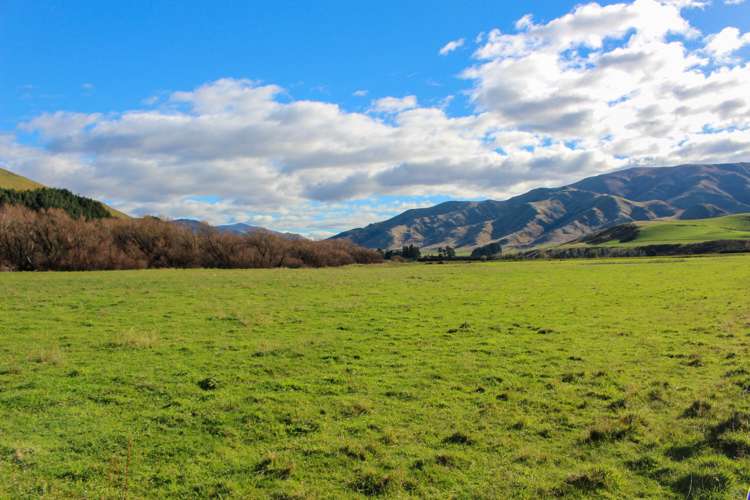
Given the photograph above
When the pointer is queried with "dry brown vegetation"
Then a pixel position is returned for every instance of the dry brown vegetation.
(51, 240)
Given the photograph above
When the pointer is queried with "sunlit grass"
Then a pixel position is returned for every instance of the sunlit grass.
(621, 378)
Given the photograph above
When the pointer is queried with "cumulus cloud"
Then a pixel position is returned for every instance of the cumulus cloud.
(599, 88)
(394, 104)
(724, 43)
(451, 46)
(617, 79)
(359, 93)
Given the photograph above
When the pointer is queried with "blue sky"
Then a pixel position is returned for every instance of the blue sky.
(93, 64)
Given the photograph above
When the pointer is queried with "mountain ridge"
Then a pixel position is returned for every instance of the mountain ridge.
(557, 215)
(237, 228)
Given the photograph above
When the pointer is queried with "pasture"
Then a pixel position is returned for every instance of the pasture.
(594, 378)
(729, 227)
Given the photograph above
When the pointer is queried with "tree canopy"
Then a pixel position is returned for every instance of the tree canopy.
(46, 198)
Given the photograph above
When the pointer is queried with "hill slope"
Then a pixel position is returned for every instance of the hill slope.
(563, 214)
(9, 180)
(730, 227)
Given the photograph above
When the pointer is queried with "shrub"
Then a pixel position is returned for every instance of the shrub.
(51, 240)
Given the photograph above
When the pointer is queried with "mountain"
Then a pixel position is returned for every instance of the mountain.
(9, 180)
(557, 215)
(238, 228)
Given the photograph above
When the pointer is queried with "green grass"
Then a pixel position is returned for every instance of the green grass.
(9, 180)
(619, 379)
(730, 227)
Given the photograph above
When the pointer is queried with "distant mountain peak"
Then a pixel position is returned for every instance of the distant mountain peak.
(238, 228)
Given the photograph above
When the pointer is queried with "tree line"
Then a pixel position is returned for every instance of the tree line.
(52, 240)
(407, 252)
(46, 198)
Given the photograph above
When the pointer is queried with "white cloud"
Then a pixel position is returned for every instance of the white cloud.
(599, 88)
(451, 46)
(359, 93)
(618, 80)
(733, 2)
(394, 104)
(724, 43)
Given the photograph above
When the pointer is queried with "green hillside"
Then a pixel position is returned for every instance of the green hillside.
(9, 180)
(730, 227)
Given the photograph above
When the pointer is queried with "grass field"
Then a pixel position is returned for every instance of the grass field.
(619, 379)
(730, 227)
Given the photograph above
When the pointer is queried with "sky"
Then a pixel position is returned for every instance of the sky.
(322, 116)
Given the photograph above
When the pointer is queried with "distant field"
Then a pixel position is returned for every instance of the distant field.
(731, 227)
(618, 379)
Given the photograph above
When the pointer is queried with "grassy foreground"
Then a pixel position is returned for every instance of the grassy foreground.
(620, 378)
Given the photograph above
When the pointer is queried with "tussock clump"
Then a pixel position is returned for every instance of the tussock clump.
(704, 482)
(371, 483)
(614, 429)
(737, 422)
(697, 409)
(618, 404)
(272, 466)
(458, 438)
(679, 453)
(644, 464)
(734, 445)
(570, 378)
(732, 436)
(694, 360)
(449, 461)
(401, 395)
(208, 384)
(655, 396)
(492, 380)
(356, 409)
(463, 327)
(299, 426)
(519, 425)
(354, 452)
(418, 464)
(735, 373)
(585, 482)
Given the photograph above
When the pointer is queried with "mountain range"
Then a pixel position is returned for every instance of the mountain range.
(558, 215)
(238, 228)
